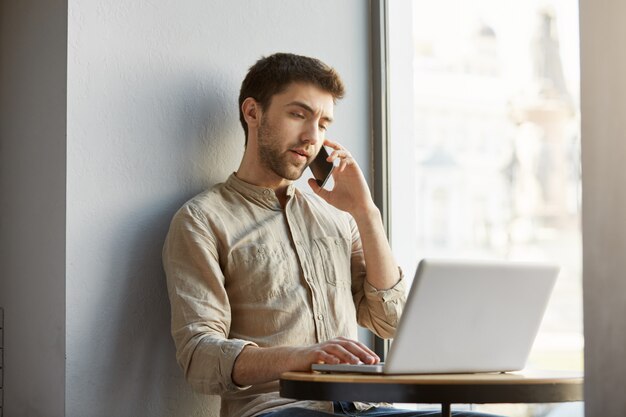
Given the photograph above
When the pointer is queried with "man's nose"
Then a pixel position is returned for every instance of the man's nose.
(312, 134)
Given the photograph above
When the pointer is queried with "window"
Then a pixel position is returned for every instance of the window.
(484, 147)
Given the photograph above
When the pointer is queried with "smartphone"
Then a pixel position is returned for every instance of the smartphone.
(321, 168)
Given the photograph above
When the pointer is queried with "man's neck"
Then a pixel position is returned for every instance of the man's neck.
(261, 179)
(252, 171)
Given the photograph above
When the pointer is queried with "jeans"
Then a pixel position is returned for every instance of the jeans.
(348, 409)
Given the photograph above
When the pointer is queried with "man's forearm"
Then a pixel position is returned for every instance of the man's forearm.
(382, 269)
(256, 365)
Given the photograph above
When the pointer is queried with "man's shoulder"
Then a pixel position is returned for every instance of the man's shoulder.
(206, 201)
(207, 197)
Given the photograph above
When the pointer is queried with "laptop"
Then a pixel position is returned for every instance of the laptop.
(466, 317)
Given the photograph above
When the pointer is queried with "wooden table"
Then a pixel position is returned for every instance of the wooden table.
(514, 387)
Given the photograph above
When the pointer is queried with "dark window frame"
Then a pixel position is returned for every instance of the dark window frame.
(380, 124)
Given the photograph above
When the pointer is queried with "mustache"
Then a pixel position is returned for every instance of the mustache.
(306, 151)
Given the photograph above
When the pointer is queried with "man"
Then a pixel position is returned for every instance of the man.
(264, 278)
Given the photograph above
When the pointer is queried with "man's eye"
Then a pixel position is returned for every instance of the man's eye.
(298, 115)
(323, 128)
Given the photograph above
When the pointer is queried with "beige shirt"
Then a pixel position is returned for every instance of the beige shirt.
(241, 270)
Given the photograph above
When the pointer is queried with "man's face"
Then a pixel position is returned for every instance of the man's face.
(292, 129)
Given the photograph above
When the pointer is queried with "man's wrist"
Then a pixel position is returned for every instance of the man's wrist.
(366, 214)
(296, 359)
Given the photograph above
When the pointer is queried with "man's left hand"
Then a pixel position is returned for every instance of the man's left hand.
(350, 192)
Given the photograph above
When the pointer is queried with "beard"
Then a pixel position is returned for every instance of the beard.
(274, 157)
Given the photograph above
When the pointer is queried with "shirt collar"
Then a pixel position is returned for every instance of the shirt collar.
(262, 195)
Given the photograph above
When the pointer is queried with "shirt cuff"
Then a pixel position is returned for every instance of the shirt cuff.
(394, 293)
(231, 348)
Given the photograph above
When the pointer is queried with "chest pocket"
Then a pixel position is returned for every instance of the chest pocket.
(333, 254)
(261, 272)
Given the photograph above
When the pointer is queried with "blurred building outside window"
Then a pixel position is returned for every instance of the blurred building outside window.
(485, 149)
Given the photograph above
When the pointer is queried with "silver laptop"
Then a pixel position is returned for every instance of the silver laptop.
(466, 317)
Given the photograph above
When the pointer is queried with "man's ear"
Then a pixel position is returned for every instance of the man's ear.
(251, 111)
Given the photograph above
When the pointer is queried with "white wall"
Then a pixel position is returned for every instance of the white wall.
(32, 205)
(152, 120)
(603, 109)
(149, 90)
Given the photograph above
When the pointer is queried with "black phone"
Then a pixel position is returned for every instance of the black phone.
(321, 168)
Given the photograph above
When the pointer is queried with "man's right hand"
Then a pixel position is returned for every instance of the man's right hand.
(256, 365)
(339, 350)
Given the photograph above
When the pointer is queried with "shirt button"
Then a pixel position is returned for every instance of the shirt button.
(266, 192)
(320, 317)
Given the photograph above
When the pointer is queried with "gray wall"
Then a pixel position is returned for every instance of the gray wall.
(604, 204)
(32, 204)
(152, 120)
(148, 89)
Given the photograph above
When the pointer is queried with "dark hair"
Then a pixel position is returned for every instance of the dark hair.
(271, 75)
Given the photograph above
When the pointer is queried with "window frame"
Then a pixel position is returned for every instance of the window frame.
(380, 125)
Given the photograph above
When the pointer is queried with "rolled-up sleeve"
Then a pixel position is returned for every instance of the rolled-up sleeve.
(384, 308)
(200, 312)
(377, 310)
